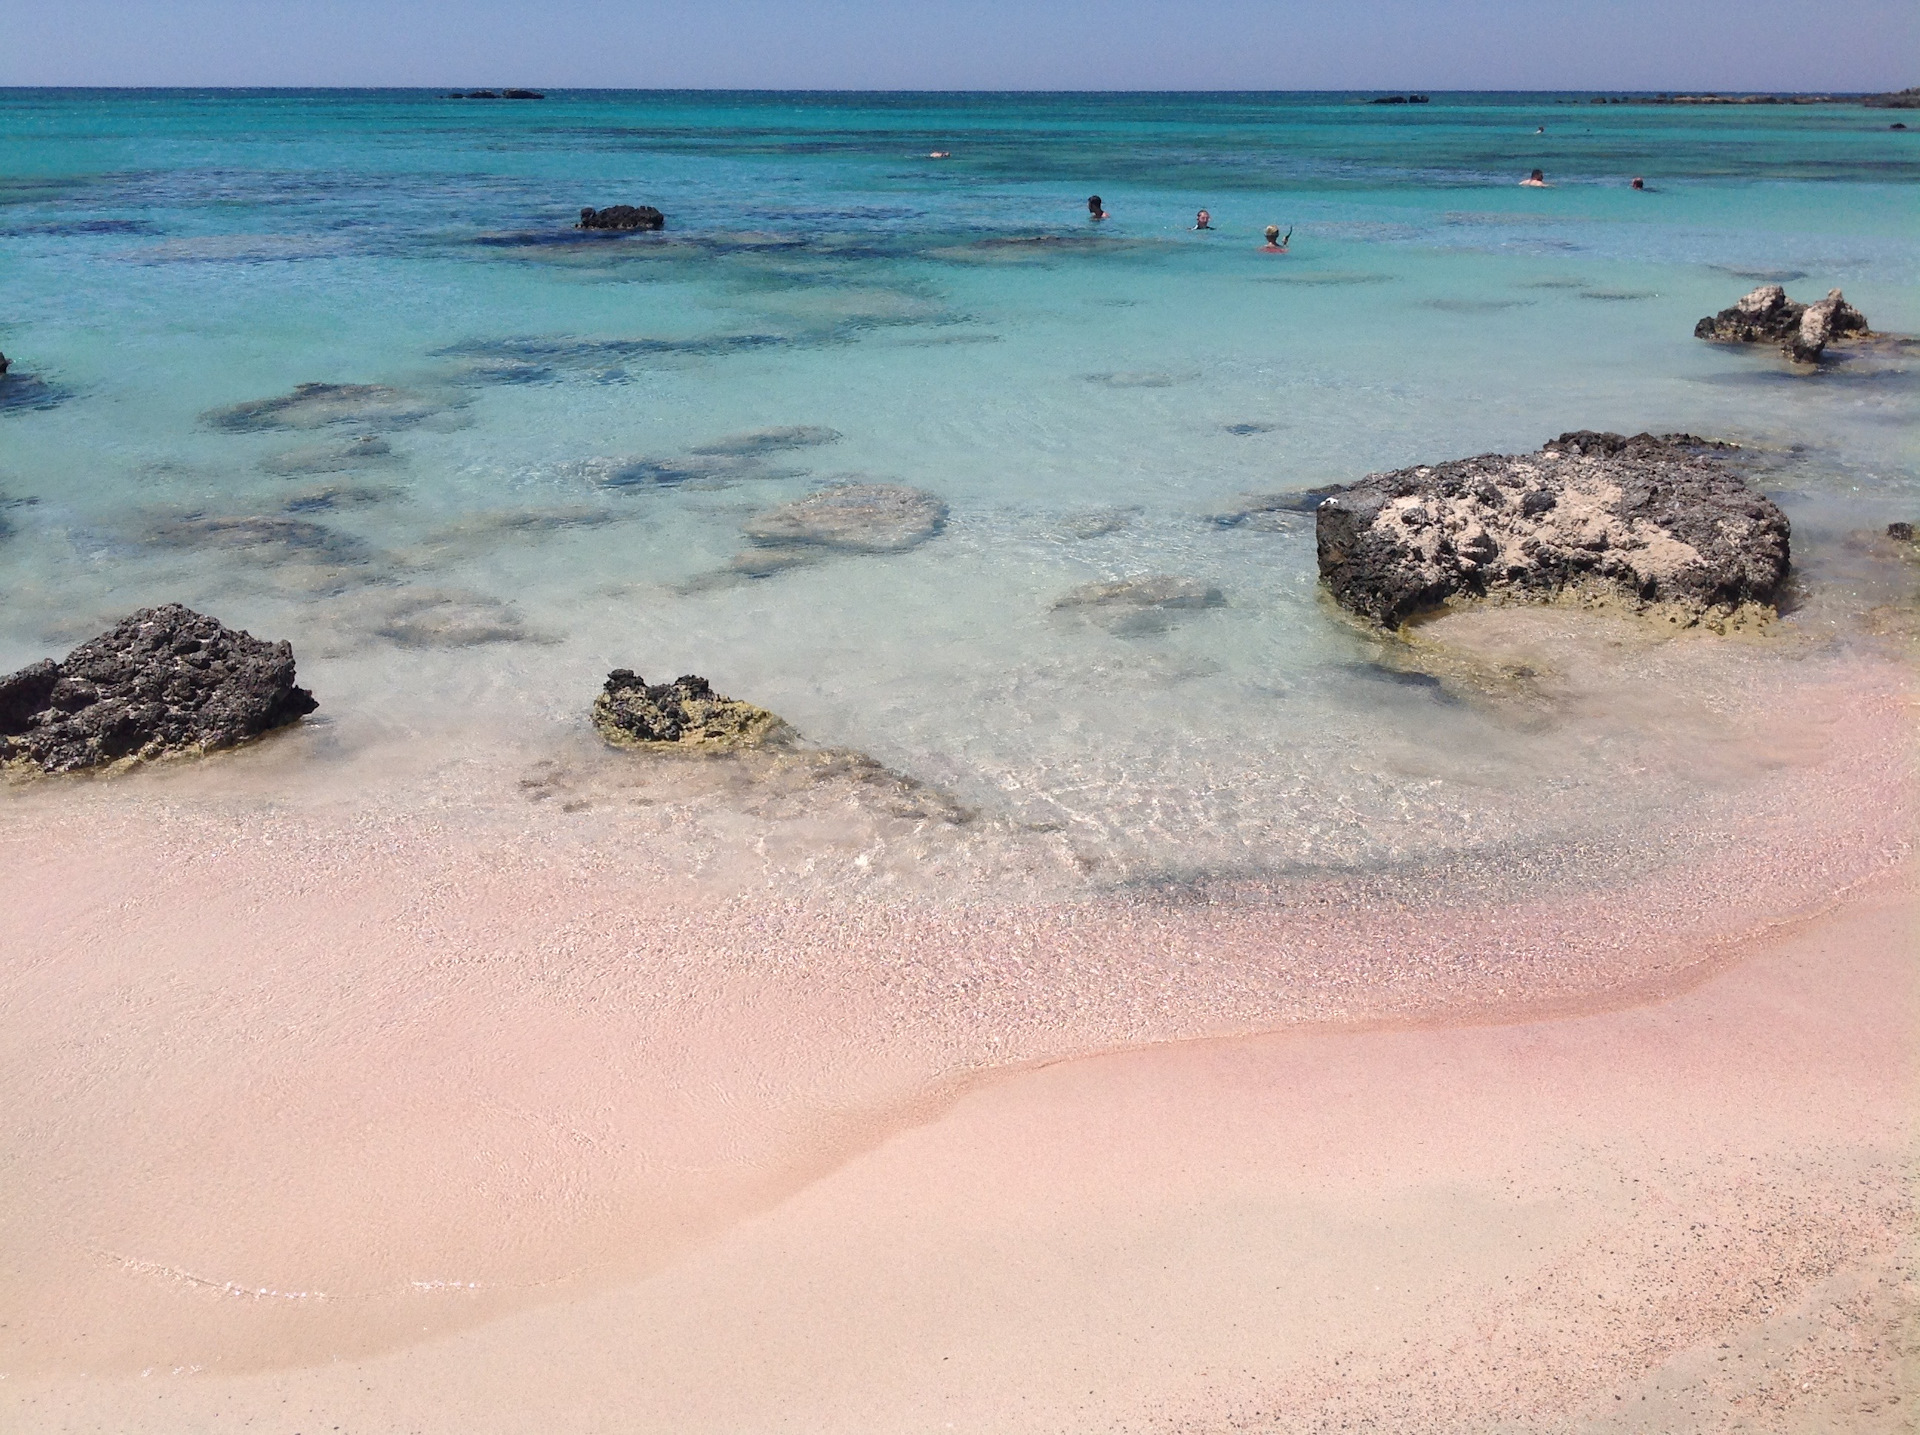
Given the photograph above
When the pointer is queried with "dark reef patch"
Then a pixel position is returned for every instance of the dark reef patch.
(312, 406)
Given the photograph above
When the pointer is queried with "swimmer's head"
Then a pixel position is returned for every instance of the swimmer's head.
(1538, 174)
(1273, 234)
(1093, 204)
(1639, 183)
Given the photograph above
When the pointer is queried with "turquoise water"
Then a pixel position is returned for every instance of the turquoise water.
(1088, 401)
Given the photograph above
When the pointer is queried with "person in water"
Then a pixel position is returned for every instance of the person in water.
(1275, 244)
(1203, 220)
(1536, 180)
(1094, 211)
(1639, 183)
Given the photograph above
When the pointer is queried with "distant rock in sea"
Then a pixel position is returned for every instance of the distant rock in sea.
(163, 682)
(622, 216)
(686, 714)
(1767, 315)
(1648, 520)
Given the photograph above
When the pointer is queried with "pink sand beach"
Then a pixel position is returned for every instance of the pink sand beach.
(379, 1098)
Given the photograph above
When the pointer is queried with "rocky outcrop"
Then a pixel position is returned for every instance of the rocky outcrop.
(164, 681)
(622, 216)
(853, 518)
(1650, 520)
(1768, 316)
(685, 714)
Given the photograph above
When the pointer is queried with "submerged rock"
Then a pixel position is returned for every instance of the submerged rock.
(1900, 532)
(164, 681)
(1157, 590)
(318, 405)
(853, 518)
(1135, 606)
(623, 216)
(1767, 315)
(368, 451)
(1650, 519)
(685, 714)
(1272, 512)
(773, 440)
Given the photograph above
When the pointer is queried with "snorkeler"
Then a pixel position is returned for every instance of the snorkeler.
(1094, 211)
(1275, 244)
(1203, 220)
(1536, 180)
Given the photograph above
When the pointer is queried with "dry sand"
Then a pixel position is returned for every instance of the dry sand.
(333, 1115)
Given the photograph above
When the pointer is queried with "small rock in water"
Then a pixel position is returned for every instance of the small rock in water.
(853, 518)
(370, 451)
(686, 714)
(773, 440)
(1649, 519)
(623, 216)
(312, 406)
(1767, 315)
(1900, 532)
(164, 681)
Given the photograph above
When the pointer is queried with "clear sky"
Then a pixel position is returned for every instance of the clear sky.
(970, 44)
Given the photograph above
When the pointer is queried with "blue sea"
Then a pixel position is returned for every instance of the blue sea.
(567, 433)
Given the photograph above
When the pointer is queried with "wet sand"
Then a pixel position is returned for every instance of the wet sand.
(371, 1113)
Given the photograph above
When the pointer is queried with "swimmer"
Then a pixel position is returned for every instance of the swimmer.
(941, 154)
(1542, 130)
(1275, 244)
(1536, 180)
(1639, 183)
(1094, 211)
(1203, 220)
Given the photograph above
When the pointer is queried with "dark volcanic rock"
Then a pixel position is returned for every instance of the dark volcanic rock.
(164, 681)
(1768, 316)
(1653, 519)
(685, 713)
(623, 216)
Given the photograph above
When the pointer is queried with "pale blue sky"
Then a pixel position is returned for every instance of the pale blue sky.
(970, 44)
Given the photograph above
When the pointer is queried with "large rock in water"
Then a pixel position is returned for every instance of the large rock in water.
(164, 681)
(1653, 520)
(685, 713)
(1768, 316)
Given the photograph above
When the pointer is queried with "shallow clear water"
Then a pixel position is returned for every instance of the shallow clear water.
(1087, 406)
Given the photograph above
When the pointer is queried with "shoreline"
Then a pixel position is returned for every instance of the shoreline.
(1711, 1178)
